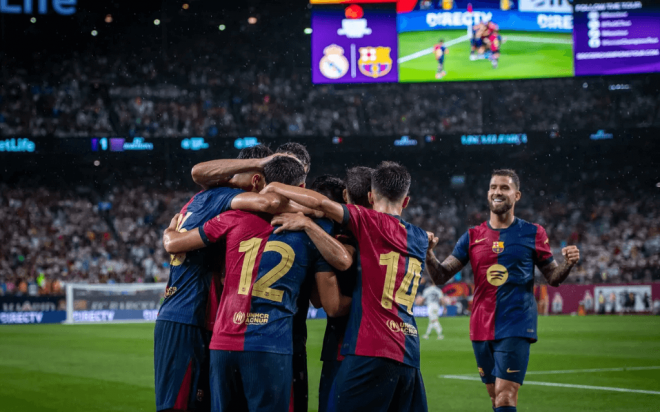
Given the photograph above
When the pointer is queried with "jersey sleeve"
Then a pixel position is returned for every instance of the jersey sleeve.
(221, 197)
(321, 265)
(354, 218)
(216, 228)
(542, 252)
(462, 249)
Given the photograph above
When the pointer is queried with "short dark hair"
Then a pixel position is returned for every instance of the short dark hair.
(330, 186)
(509, 173)
(358, 184)
(299, 151)
(255, 152)
(283, 169)
(391, 180)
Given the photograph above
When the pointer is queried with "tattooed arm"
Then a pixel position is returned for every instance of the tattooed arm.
(440, 272)
(555, 274)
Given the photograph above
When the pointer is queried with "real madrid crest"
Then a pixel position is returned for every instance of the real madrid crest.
(333, 65)
(498, 247)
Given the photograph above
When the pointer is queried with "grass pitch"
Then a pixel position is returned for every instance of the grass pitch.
(523, 55)
(110, 367)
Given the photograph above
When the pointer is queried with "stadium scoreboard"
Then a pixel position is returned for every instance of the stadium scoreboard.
(460, 40)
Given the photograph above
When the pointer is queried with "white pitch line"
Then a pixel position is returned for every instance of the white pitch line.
(536, 39)
(633, 368)
(430, 49)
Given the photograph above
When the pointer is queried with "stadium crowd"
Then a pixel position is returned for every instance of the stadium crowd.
(70, 235)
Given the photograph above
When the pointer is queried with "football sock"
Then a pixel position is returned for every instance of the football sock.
(506, 409)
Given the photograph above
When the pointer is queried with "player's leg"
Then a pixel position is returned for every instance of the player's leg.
(365, 384)
(227, 392)
(483, 352)
(328, 374)
(440, 73)
(266, 379)
(300, 382)
(410, 393)
(511, 359)
(179, 356)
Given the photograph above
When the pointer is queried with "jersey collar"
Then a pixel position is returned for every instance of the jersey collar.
(515, 222)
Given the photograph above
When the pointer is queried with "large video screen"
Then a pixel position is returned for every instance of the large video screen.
(463, 40)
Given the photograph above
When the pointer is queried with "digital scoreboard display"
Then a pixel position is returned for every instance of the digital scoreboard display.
(462, 40)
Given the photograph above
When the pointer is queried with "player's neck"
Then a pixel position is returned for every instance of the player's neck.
(501, 221)
(389, 208)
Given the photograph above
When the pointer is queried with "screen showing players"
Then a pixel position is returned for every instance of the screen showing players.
(462, 40)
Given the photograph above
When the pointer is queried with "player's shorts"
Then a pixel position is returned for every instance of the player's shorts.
(435, 311)
(505, 359)
(255, 381)
(378, 384)
(326, 389)
(441, 66)
(477, 42)
(181, 363)
(300, 388)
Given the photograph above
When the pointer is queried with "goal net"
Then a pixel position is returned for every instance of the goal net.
(122, 302)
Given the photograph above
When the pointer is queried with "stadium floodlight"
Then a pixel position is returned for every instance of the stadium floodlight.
(222, 27)
(33, 20)
(185, 6)
(121, 302)
(252, 20)
(94, 33)
(308, 30)
(108, 18)
(156, 22)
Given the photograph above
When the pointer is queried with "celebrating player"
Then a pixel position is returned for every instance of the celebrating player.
(503, 252)
(476, 42)
(440, 50)
(180, 338)
(433, 298)
(252, 346)
(381, 346)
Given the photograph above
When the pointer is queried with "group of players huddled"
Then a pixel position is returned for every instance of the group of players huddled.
(485, 42)
(255, 247)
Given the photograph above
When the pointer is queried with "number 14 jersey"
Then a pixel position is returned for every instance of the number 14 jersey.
(391, 261)
(263, 276)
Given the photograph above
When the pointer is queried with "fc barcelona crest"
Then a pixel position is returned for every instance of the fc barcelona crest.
(375, 62)
(498, 247)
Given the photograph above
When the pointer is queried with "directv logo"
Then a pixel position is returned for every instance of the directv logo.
(601, 135)
(17, 145)
(242, 143)
(194, 143)
(405, 141)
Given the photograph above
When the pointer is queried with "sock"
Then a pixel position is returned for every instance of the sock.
(506, 409)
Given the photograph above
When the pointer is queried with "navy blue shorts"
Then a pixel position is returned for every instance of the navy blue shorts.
(181, 364)
(328, 374)
(505, 359)
(300, 384)
(378, 385)
(255, 381)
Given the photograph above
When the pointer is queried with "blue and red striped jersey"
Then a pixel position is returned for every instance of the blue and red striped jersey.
(264, 273)
(391, 259)
(188, 288)
(503, 264)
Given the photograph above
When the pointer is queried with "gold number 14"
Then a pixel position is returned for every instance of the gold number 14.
(413, 275)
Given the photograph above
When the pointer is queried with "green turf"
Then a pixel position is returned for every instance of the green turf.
(518, 60)
(109, 367)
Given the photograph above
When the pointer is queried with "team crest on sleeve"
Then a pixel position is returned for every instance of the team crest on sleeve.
(498, 247)
(497, 275)
(333, 64)
(375, 62)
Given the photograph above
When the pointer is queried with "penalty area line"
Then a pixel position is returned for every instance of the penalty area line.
(430, 49)
(560, 385)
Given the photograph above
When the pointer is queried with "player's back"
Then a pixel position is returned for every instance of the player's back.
(264, 276)
(188, 287)
(391, 255)
(433, 295)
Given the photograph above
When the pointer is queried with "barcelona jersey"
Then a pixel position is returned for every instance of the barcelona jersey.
(391, 259)
(188, 288)
(264, 273)
(503, 263)
(439, 53)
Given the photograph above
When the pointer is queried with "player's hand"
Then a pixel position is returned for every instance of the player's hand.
(268, 189)
(174, 222)
(294, 222)
(571, 254)
(433, 241)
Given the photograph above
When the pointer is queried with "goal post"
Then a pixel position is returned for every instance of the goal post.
(121, 302)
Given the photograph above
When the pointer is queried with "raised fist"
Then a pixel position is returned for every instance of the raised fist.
(571, 254)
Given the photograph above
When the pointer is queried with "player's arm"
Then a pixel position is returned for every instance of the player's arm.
(334, 303)
(220, 172)
(332, 250)
(554, 273)
(271, 203)
(179, 242)
(308, 198)
(441, 272)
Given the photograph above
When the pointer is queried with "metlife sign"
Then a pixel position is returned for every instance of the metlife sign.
(61, 7)
(20, 145)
